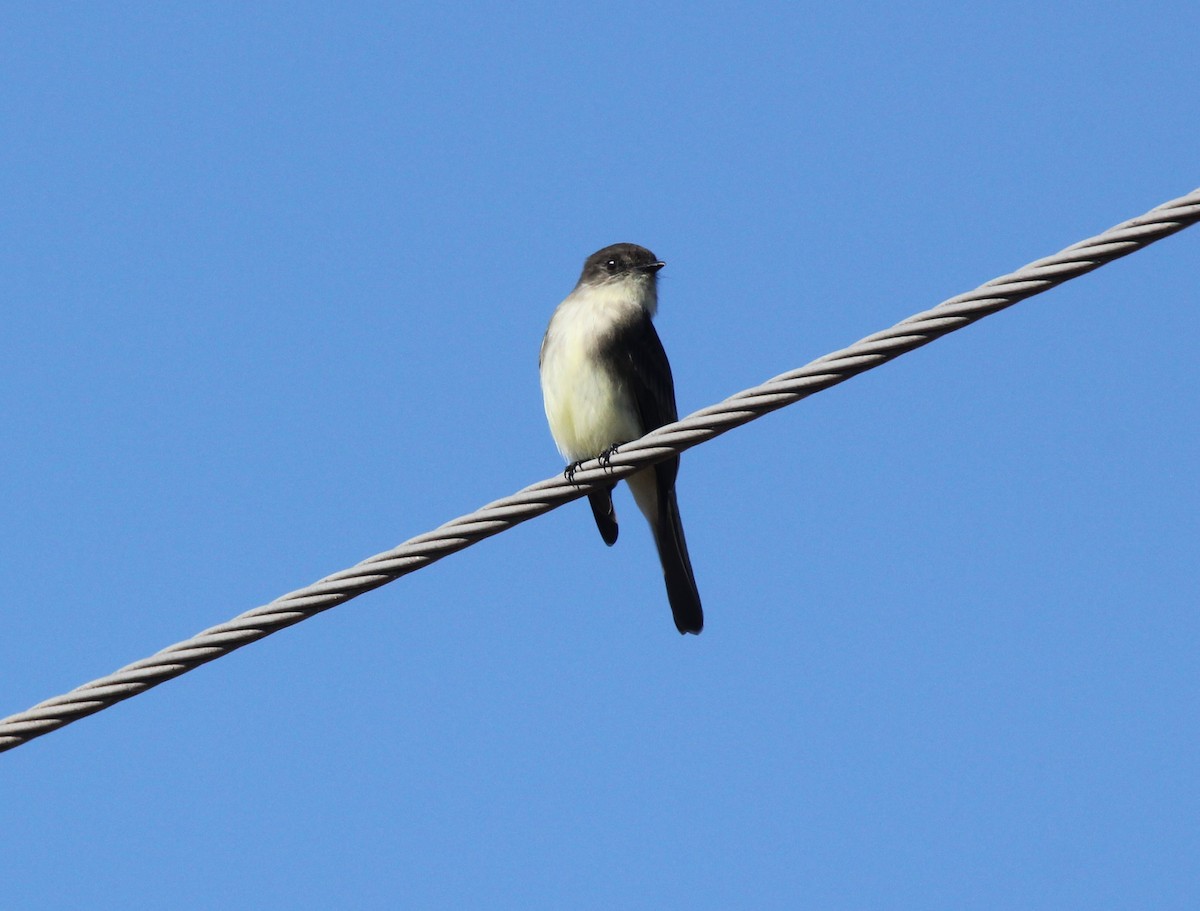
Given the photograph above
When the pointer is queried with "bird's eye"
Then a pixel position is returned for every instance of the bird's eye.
(612, 266)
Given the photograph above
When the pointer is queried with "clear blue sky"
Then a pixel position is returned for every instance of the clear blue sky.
(274, 281)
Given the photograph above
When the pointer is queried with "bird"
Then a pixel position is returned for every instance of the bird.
(605, 381)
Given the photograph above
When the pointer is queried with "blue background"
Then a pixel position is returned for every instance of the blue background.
(274, 281)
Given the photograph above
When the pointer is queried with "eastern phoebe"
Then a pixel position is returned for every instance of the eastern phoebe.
(606, 381)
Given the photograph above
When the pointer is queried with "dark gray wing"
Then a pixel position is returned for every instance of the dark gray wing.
(604, 514)
(636, 354)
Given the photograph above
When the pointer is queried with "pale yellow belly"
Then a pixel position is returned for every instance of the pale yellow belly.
(587, 409)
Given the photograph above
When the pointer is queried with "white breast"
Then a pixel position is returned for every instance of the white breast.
(587, 406)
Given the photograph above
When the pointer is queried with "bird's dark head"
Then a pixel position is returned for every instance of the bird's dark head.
(620, 261)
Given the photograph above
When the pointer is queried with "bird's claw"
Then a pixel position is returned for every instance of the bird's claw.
(606, 456)
(605, 459)
(569, 471)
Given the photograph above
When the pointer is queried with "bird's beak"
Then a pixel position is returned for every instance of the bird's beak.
(654, 267)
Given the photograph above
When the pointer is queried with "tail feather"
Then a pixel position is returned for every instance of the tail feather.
(677, 566)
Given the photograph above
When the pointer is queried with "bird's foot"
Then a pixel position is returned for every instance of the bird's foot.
(606, 456)
(569, 471)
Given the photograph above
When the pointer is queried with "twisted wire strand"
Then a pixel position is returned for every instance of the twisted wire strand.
(549, 494)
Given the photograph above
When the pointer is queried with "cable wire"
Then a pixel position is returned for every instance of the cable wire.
(544, 496)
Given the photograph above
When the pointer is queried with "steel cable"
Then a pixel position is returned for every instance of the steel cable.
(544, 496)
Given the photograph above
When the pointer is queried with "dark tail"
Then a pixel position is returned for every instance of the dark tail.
(677, 566)
(606, 516)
